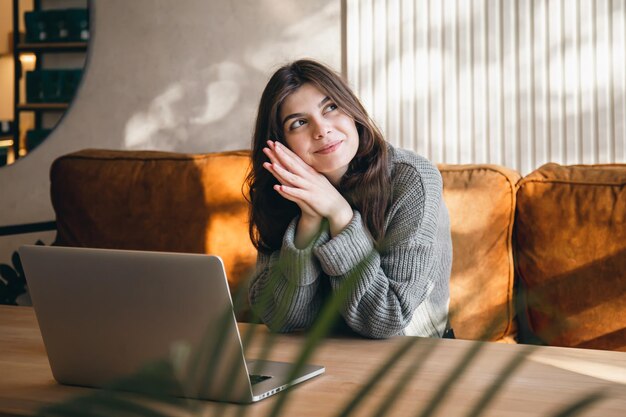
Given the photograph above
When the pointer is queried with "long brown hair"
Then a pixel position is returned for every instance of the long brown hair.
(366, 184)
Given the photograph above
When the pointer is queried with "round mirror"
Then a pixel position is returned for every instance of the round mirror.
(42, 65)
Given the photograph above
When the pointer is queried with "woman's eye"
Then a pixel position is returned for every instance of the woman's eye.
(331, 107)
(296, 124)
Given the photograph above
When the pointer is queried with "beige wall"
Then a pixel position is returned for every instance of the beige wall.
(182, 76)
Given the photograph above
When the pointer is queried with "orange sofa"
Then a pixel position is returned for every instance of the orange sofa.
(539, 259)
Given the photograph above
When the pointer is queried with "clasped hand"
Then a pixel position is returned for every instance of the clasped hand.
(316, 197)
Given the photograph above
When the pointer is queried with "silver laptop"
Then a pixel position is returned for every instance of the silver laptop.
(127, 319)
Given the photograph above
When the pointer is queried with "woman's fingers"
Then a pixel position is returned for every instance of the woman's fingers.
(281, 154)
(290, 160)
(269, 152)
(293, 193)
(285, 165)
(289, 177)
(288, 193)
(283, 175)
(270, 168)
(273, 165)
(278, 157)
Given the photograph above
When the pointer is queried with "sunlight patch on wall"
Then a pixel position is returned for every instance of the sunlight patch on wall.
(143, 126)
(168, 120)
(221, 95)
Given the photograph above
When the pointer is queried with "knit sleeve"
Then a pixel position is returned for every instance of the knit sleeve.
(383, 286)
(284, 291)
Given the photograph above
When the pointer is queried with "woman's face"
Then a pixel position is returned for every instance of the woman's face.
(320, 133)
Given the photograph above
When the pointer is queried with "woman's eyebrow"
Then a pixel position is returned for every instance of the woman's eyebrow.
(293, 116)
(324, 100)
(297, 115)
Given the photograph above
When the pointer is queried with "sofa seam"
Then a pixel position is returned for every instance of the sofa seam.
(547, 181)
(450, 168)
(192, 157)
(510, 307)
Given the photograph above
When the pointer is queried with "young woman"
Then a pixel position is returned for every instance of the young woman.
(337, 209)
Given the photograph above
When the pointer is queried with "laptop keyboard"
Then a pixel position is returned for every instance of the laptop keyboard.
(255, 379)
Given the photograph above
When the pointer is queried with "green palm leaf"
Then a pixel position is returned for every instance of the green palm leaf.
(393, 359)
(403, 381)
(579, 406)
(499, 382)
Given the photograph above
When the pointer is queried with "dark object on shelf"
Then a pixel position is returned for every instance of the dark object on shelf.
(71, 80)
(6, 127)
(59, 25)
(34, 137)
(34, 87)
(77, 24)
(52, 86)
(37, 29)
(4, 151)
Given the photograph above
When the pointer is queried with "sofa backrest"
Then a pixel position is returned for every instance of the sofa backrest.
(158, 201)
(194, 203)
(570, 247)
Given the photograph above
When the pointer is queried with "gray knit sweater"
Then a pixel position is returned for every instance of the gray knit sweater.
(401, 288)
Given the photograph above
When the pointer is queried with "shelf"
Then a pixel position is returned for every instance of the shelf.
(21, 45)
(43, 107)
(52, 47)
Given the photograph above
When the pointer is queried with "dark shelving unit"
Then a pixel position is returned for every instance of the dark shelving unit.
(39, 50)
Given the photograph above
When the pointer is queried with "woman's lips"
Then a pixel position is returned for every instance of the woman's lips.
(330, 148)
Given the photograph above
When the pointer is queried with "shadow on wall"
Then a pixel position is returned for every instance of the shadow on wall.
(212, 107)
(511, 83)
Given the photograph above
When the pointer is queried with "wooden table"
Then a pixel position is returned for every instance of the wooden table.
(549, 379)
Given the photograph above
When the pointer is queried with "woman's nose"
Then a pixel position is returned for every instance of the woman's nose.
(322, 128)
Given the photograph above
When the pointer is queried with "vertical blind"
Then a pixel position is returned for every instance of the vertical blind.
(510, 82)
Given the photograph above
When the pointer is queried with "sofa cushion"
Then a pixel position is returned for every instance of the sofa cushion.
(570, 244)
(481, 203)
(157, 201)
